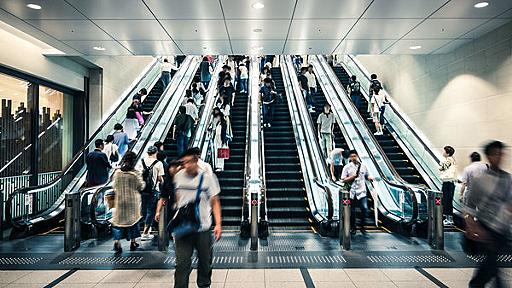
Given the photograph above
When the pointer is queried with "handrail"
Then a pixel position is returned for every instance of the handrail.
(401, 186)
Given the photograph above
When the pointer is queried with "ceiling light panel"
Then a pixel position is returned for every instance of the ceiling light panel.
(466, 9)
(54, 9)
(272, 29)
(112, 9)
(237, 9)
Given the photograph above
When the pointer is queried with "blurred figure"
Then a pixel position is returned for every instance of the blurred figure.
(471, 171)
(220, 140)
(447, 174)
(142, 92)
(205, 68)
(244, 77)
(125, 218)
(267, 97)
(183, 129)
(489, 211)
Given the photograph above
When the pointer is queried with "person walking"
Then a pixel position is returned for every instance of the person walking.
(205, 72)
(244, 77)
(221, 139)
(111, 149)
(267, 98)
(471, 171)
(448, 171)
(189, 182)
(336, 162)
(120, 139)
(152, 173)
(304, 88)
(140, 94)
(191, 109)
(312, 86)
(97, 165)
(183, 129)
(355, 91)
(325, 128)
(488, 215)
(377, 104)
(354, 175)
(127, 184)
(228, 90)
(167, 68)
(375, 85)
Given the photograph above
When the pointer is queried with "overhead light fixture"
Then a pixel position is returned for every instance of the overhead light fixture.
(99, 48)
(257, 30)
(257, 5)
(34, 6)
(257, 48)
(416, 47)
(481, 4)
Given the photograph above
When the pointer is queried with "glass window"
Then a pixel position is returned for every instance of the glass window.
(15, 128)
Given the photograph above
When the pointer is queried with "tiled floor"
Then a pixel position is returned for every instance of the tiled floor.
(246, 278)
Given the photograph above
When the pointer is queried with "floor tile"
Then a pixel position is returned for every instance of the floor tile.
(158, 275)
(279, 284)
(129, 276)
(456, 283)
(260, 284)
(115, 285)
(219, 275)
(25, 285)
(404, 275)
(283, 275)
(154, 285)
(367, 275)
(245, 275)
(334, 285)
(11, 276)
(328, 275)
(86, 276)
(40, 276)
(416, 284)
(380, 284)
(446, 274)
(75, 285)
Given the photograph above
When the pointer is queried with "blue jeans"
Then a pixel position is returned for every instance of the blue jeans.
(166, 78)
(148, 207)
(243, 84)
(205, 84)
(356, 98)
(182, 144)
(268, 113)
(312, 93)
(381, 120)
(363, 205)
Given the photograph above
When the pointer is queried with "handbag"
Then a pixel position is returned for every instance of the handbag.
(186, 220)
(114, 155)
(223, 153)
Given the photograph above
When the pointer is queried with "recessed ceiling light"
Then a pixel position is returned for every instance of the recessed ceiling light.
(34, 6)
(99, 48)
(257, 30)
(416, 47)
(257, 5)
(481, 4)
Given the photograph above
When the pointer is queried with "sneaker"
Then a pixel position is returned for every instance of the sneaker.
(447, 222)
(268, 125)
(134, 246)
(117, 248)
(146, 237)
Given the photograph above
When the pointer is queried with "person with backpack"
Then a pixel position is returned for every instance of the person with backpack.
(355, 91)
(111, 149)
(325, 128)
(447, 174)
(354, 176)
(268, 99)
(152, 174)
(377, 104)
(183, 129)
(375, 85)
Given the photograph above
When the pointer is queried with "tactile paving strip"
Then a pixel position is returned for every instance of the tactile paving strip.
(216, 260)
(113, 260)
(409, 259)
(305, 259)
(504, 258)
(19, 260)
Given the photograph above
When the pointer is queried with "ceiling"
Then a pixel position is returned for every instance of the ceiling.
(163, 27)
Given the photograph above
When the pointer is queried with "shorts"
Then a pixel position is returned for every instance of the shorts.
(376, 117)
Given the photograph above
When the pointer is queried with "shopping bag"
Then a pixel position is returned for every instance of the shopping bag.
(223, 153)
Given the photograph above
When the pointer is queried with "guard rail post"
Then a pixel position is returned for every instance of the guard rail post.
(163, 235)
(344, 218)
(254, 219)
(435, 220)
(72, 222)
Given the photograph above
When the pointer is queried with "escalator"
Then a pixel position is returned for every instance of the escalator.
(232, 178)
(287, 204)
(396, 155)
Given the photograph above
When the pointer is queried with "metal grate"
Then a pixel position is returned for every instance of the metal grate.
(410, 259)
(216, 260)
(305, 259)
(116, 260)
(231, 244)
(504, 258)
(19, 260)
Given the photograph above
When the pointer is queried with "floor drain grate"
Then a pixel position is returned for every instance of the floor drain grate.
(116, 260)
(19, 260)
(410, 259)
(305, 259)
(503, 258)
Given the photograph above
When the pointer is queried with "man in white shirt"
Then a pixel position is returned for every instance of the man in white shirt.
(325, 123)
(336, 161)
(312, 85)
(192, 109)
(472, 170)
(155, 172)
(167, 67)
(354, 176)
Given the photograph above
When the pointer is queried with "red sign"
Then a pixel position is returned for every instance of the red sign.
(438, 201)
(254, 202)
(346, 202)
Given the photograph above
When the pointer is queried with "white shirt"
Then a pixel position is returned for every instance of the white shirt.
(168, 67)
(186, 191)
(192, 110)
(336, 157)
(158, 169)
(326, 121)
(311, 79)
(358, 188)
(243, 72)
(471, 171)
(110, 148)
(377, 101)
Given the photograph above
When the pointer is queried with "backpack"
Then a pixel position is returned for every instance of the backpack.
(114, 154)
(147, 176)
(376, 85)
(355, 87)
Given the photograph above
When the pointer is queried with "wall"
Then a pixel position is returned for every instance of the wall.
(462, 98)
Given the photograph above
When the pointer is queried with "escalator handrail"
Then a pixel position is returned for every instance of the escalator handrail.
(399, 115)
(8, 207)
(263, 170)
(387, 181)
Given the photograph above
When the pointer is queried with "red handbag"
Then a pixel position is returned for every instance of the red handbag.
(223, 153)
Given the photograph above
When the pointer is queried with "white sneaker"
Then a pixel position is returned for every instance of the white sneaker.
(447, 222)
(146, 237)
(268, 125)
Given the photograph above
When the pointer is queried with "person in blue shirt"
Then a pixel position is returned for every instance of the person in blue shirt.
(268, 97)
(121, 139)
(97, 165)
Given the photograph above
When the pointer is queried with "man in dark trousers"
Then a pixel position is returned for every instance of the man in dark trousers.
(97, 165)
